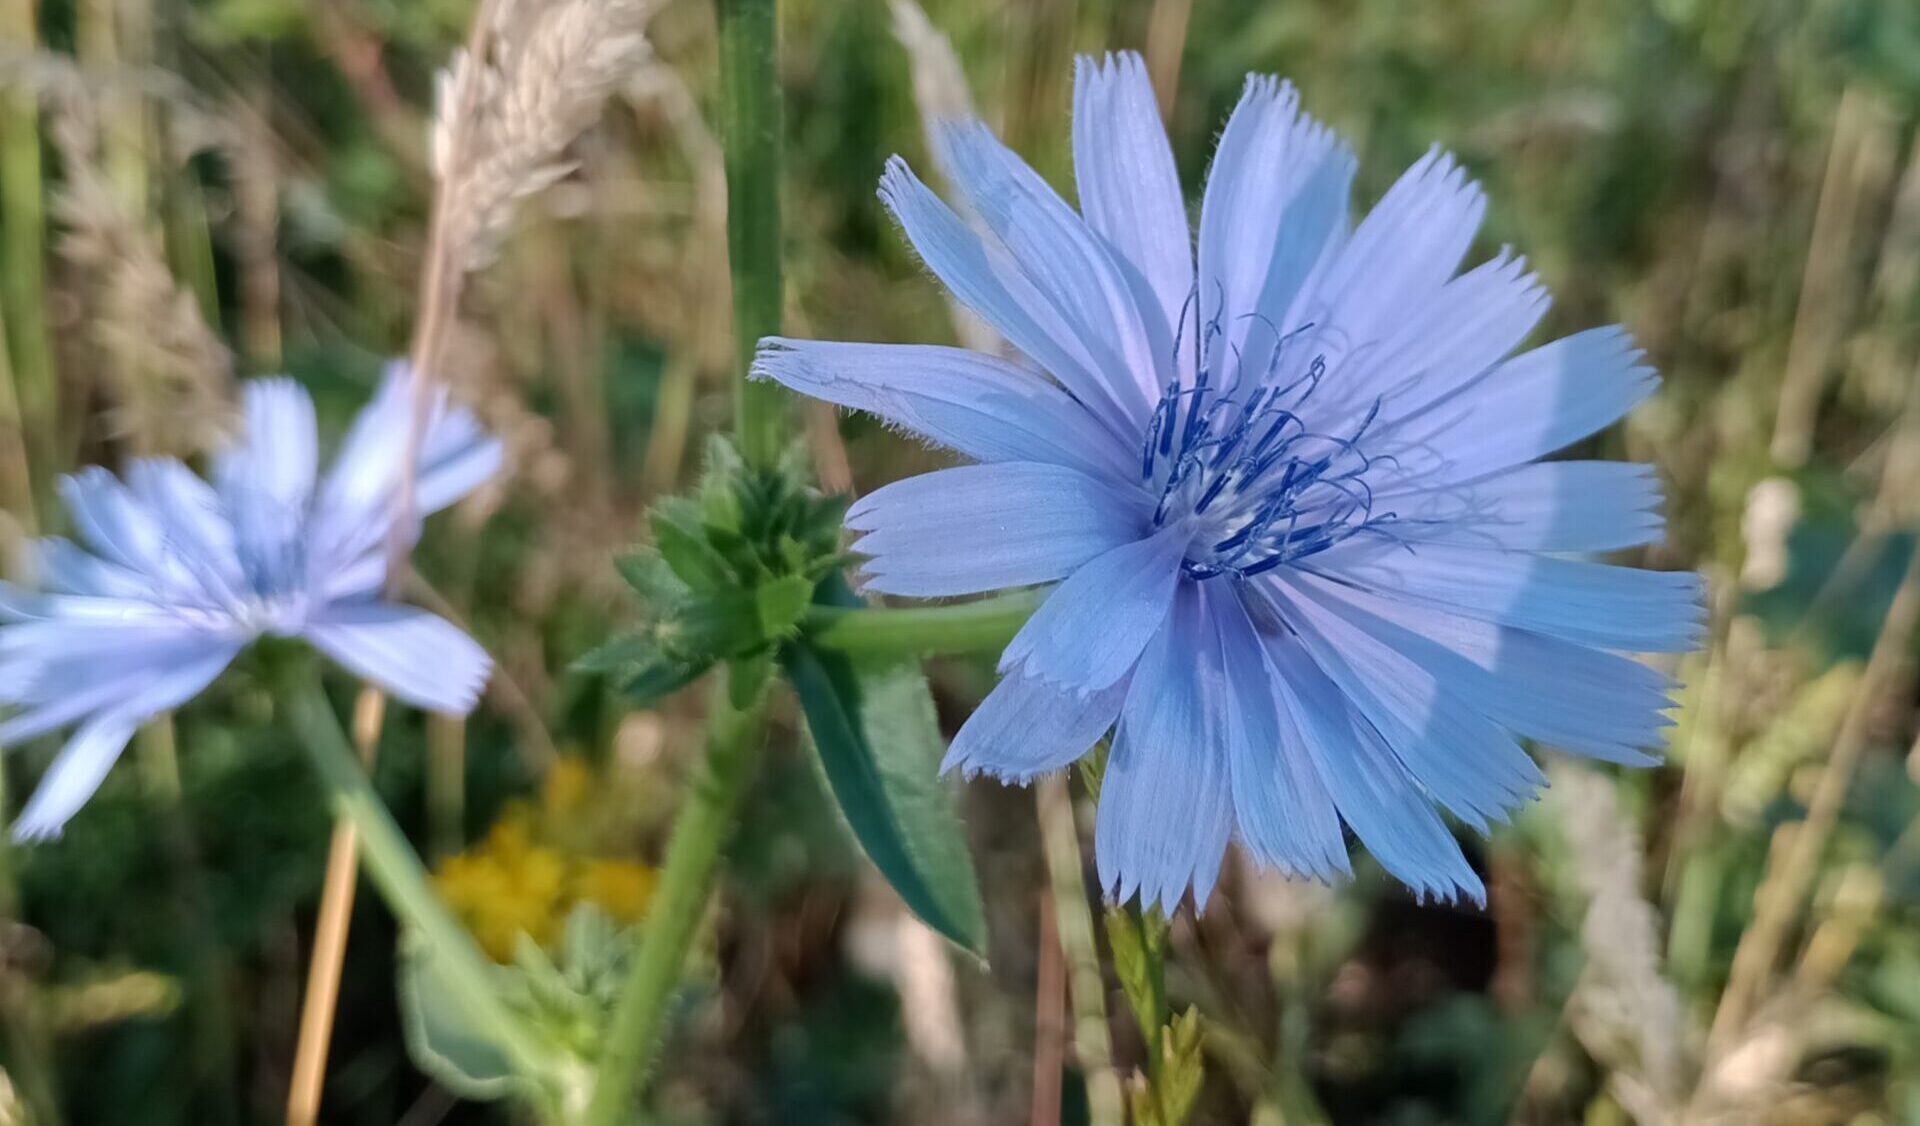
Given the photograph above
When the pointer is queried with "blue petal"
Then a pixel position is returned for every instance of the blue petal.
(1376, 798)
(976, 528)
(279, 453)
(54, 691)
(1403, 252)
(1595, 604)
(1456, 754)
(355, 514)
(1286, 816)
(1074, 271)
(1091, 629)
(120, 530)
(1276, 202)
(1473, 322)
(63, 567)
(266, 483)
(1538, 402)
(419, 658)
(74, 776)
(1165, 805)
(1024, 729)
(195, 523)
(1572, 697)
(1574, 506)
(991, 285)
(166, 680)
(1130, 190)
(977, 405)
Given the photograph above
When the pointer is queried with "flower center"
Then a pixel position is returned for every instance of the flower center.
(1243, 470)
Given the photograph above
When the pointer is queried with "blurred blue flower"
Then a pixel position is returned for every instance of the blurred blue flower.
(1308, 561)
(177, 575)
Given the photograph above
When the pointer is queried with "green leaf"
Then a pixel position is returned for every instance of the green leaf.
(1182, 1068)
(655, 681)
(719, 485)
(647, 572)
(682, 541)
(781, 604)
(640, 669)
(1136, 968)
(618, 655)
(442, 1042)
(880, 746)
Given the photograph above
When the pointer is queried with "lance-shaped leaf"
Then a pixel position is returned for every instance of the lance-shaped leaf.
(880, 746)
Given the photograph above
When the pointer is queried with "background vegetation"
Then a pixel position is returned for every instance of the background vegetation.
(192, 191)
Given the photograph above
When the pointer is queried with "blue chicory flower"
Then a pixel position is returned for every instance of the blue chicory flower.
(177, 576)
(1309, 566)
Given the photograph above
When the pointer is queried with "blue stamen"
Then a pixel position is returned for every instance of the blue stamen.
(1271, 490)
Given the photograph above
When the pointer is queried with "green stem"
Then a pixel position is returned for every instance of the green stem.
(968, 627)
(397, 872)
(680, 900)
(23, 280)
(750, 126)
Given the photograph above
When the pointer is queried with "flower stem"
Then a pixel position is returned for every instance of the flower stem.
(969, 627)
(33, 390)
(750, 128)
(680, 901)
(397, 872)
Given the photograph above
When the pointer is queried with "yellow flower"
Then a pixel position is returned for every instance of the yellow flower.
(507, 886)
(568, 785)
(515, 881)
(621, 888)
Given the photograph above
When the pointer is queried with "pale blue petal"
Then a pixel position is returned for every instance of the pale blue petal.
(419, 658)
(977, 405)
(1574, 506)
(194, 521)
(1276, 201)
(119, 529)
(279, 453)
(1473, 322)
(266, 484)
(1391, 817)
(77, 771)
(63, 567)
(60, 610)
(1538, 402)
(457, 457)
(1091, 629)
(1403, 252)
(986, 280)
(355, 513)
(56, 687)
(74, 776)
(1166, 809)
(1607, 607)
(1457, 755)
(1130, 191)
(1074, 271)
(1024, 729)
(367, 466)
(1286, 816)
(977, 528)
(1566, 695)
